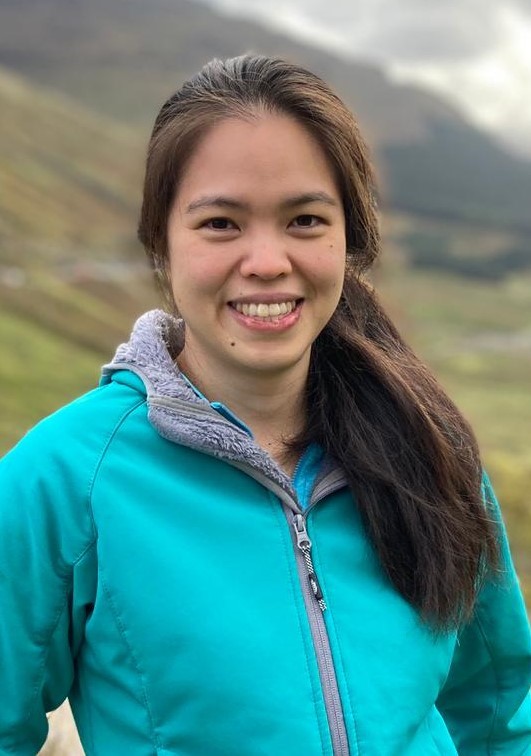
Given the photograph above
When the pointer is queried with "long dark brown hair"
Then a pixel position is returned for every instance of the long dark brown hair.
(411, 458)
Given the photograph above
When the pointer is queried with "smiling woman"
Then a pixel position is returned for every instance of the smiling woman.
(269, 529)
(257, 266)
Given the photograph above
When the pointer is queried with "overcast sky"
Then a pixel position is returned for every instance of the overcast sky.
(478, 52)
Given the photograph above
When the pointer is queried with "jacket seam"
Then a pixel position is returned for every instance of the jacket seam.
(46, 646)
(121, 629)
(144, 695)
(282, 522)
(90, 513)
(498, 686)
(67, 582)
(322, 580)
(90, 727)
(92, 481)
(67, 578)
(431, 731)
(84, 552)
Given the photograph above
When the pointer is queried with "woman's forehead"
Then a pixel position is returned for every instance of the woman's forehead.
(268, 154)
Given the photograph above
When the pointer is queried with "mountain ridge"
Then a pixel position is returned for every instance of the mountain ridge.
(123, 59)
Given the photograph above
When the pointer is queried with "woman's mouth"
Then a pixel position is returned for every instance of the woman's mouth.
(265, 311)
(273, 314)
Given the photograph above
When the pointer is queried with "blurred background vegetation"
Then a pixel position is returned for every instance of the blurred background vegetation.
(80, 84)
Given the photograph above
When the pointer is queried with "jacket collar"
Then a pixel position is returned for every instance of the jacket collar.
(174, 409)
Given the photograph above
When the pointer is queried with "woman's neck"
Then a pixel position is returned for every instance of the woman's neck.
(271, 405)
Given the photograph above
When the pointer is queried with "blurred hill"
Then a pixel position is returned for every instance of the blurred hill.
(67, 175)
(122, 58)
(72, 277)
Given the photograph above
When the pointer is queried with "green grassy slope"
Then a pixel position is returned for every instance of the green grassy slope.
(72, 277)
(69, 179)
(54, 336)
(39, 371)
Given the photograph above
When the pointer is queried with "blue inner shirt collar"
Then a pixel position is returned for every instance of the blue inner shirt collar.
(308, 466)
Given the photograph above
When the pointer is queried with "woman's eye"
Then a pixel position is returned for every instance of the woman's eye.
(219, 224)
(307, 221)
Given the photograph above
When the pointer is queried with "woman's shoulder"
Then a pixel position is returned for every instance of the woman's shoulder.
(68, 443)
(47, 479)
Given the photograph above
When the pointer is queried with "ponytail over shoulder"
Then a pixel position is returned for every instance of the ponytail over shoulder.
(410, 457)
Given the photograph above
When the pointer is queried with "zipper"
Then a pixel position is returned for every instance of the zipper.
(315, 608)
(312, 594)
(313, 597)
(327, 485)
(305, 545)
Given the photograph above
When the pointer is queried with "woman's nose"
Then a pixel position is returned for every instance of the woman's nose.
(265, 256)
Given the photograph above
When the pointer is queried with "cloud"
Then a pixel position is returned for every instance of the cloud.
(436, 37)
(475, 52)
(421, 31)
(491, 85)
(412, 30)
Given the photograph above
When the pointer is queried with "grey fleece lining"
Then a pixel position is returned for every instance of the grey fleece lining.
(174, 409)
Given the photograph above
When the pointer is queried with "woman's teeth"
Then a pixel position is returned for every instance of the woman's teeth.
(265, 310)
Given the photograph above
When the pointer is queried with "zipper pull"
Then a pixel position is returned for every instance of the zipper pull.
(303, 539)
(304, 544)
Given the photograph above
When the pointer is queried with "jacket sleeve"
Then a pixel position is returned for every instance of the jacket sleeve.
(46, 547)
(485, 700)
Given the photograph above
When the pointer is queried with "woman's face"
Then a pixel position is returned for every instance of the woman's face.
(256, 239)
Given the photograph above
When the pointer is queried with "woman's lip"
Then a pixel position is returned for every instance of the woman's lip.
(273, 324)
(266, 299)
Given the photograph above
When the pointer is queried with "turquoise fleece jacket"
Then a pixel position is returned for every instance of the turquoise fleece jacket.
(158, 568)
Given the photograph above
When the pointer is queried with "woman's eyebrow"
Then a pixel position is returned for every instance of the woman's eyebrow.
(308, 197)
(230, 202)
(216, 201)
